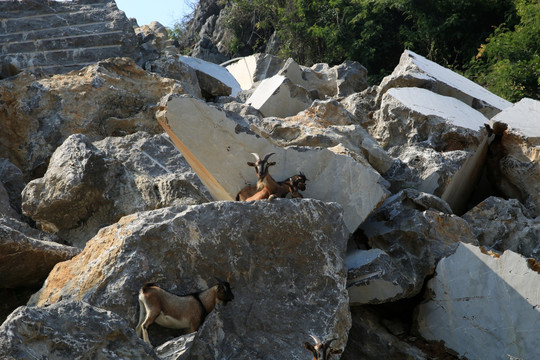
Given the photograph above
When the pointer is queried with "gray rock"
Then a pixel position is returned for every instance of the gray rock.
(505, 225)
(221, 163)
(416, 230)
(13, 182)
(414, 70)
(113, 97)
(287, 272)
(28, 255)
(371, 340)
(69, 330)
(86, 188)
(170, 67)
(483, 306)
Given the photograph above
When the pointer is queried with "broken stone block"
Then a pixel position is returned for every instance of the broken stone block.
(326, 123)
(505, 225)
(220, 161)
(28, 255)
(414, 70)
(279, 96)
(416, 230)
(414, 115)
(214, 80)
(440, 138)
(373, 278)
(252, 69)
(483, 306)
(70, 330)
(514, 154)
(276, 264)
(90, 185)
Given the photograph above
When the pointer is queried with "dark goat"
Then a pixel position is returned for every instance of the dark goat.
(322, 351)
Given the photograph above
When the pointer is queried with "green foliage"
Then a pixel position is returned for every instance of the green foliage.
(509, 63)
(375, 33)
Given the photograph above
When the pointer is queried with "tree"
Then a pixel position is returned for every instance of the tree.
(508, 64)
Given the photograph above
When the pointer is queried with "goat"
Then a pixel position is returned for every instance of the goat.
(178, 312)
(322, 351)
(267, 187)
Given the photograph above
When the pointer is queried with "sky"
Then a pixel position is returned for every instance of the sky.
(167, 12)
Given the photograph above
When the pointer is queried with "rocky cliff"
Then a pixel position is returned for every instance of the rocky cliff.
(417, 235)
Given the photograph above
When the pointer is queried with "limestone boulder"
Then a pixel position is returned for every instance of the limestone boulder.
(279, 96)
(88, 186)
(503, 225)
(12, 179)
(414, 70)
(415, 230)
(113, 97)
(177, 348)
(419, 116)
(253, 69)
(347, 78)
(214, 80)
(28, 255)
(70, 330)
(515, 156)
(278, 265)
(440, 138)
(5, 206)
(483, 306)
(373, 278)
(170, 67)
(220, 161)
(370, 339)
(326, 124)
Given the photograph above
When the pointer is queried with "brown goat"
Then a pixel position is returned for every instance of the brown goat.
(267, 187)
(322, 351)
(178, 312)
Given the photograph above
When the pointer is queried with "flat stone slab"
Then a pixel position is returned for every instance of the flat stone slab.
(414, 70)
(484, 306)
(218, 145)
(524, 118)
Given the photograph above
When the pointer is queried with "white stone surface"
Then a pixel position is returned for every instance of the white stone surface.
(523, 117)
(428, 103)
(218, 148)
(243, 71)
(416, 70)
(484, 307)
(219, 72)
(278, 96)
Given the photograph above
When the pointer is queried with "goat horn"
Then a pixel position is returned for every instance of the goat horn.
(328, 342)
(267, 156)
(316, 339)
(256, 156)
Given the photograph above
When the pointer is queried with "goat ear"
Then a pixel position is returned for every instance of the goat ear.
(336, 351)
(310, 348)
(271, 163)
(251, 163)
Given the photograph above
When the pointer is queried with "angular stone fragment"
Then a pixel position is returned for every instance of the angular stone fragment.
(483, 306)
(416, 230)
(276, 264)
(373, 278)
(28, 255)
(113, 97)
(252, 69)
(505, 225)
(279, 96)
(515, 154)
(414, 70)
(86, 188)
(327, 124)
(440, 138)
(214, 80)
(220, 161)
(70, 330)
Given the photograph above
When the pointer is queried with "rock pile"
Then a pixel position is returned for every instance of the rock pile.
(419, 223)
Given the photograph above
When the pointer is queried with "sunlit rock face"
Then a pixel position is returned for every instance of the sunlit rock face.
(492, 299)
(282, 257)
